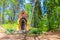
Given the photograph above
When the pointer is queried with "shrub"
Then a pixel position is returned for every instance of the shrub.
(34, 31)
(10, 30)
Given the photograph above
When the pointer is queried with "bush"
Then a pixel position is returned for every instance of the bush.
(34, 31)
(10, 30)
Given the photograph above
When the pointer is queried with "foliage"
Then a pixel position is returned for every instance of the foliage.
(34, 31)
(51, 6)
(37, 14)
(10, 26)
(10, 30)
(39, 23)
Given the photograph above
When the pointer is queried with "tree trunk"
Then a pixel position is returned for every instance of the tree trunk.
(13, 14)
(3, 12)
(37, 13)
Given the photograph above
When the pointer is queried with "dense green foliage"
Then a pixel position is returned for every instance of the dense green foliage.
(37, 14)
(37, 21)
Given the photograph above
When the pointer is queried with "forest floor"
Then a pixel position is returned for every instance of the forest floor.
(45, 36)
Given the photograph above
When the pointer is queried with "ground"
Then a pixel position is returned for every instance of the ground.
(45, 36)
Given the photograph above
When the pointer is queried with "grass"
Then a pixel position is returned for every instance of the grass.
(10, 26)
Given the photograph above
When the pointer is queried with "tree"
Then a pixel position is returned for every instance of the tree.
(51, 6)
(15, 8)
(3, 4)
(37, 14)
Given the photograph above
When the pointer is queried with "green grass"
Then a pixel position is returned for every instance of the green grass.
(10, 26)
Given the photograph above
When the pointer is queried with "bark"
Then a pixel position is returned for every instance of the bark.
(3, 12)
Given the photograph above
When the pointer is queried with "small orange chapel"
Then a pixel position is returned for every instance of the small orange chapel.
(22, 21)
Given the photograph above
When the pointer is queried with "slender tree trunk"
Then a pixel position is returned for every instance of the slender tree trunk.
(36, 16)
(3, 12)
(13, 14)
(48, 16)
(32, 14)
